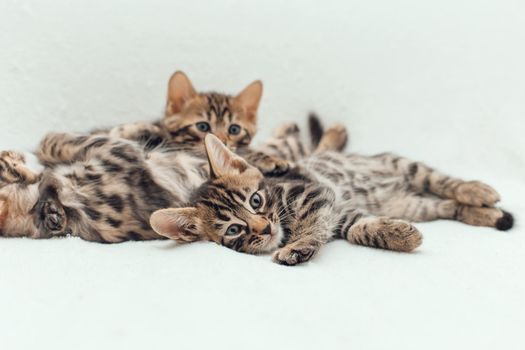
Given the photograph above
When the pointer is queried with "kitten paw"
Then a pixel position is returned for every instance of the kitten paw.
(50, 215)
(386, 233)
(294, 254)
(53, 217)
(273, 166)
(14, 170)
(489, 217)
(477, 194)
(286, 129)
(403, 236)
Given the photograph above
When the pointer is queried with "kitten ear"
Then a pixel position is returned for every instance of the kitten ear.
(250, 97)
(177, 224)
(222, 160)
(180, 90)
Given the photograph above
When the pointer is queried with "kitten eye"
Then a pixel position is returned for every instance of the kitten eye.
(234, 230)
(203, 126)
(234, 129)
(256, 200)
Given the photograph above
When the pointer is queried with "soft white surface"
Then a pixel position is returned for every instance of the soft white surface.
(441, 81)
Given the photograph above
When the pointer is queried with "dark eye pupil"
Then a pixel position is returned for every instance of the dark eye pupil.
(203, 126)
(233, 229)
(234, 129)
(255, 201)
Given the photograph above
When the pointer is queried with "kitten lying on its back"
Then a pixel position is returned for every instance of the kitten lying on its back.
(364, 200)
(103, 187)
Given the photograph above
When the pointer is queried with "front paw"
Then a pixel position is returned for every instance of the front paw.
(291, 255)
(13, 169)
(53, 217)
(273, 166)
(477, 194)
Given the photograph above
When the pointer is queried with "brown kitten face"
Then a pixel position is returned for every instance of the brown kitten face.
(235, 212)
(234, 209)
(190, 116)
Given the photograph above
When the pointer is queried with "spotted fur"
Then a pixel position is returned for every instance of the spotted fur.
(99, 187)
(366, 200)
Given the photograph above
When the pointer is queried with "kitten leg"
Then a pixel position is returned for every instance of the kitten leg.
(289, 148)
(307, 238)
(379, 232)
(145, 133)
(275, 156)
(424, 208)
(425, 179)
(414, 207)
(297, 252)
(285, 144)
(13, 169)
(62, 148)
(306, 218)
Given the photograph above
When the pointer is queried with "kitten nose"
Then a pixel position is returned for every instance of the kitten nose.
(267, 230)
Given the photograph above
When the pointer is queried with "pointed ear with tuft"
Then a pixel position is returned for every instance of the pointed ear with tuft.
(250, 97)
(222, 160)
(177, 224)
(180, 90)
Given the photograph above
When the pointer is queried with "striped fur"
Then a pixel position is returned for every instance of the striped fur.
(190, 116)
(366, 200)
(101, 188)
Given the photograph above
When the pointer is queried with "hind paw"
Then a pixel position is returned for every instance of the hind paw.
(53, 217)
(489, 217)
(477, 194)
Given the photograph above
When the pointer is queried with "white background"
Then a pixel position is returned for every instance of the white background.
(440, 81)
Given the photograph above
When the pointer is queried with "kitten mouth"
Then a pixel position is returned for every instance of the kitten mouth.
(275, 240)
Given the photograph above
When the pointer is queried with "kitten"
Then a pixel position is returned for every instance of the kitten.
(102, 188)
(365, 200)
(189, 116)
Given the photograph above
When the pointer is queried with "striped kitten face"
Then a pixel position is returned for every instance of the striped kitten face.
(233, 209)
(190, 116)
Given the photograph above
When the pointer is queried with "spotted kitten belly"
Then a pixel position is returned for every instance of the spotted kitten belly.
(109, 196)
